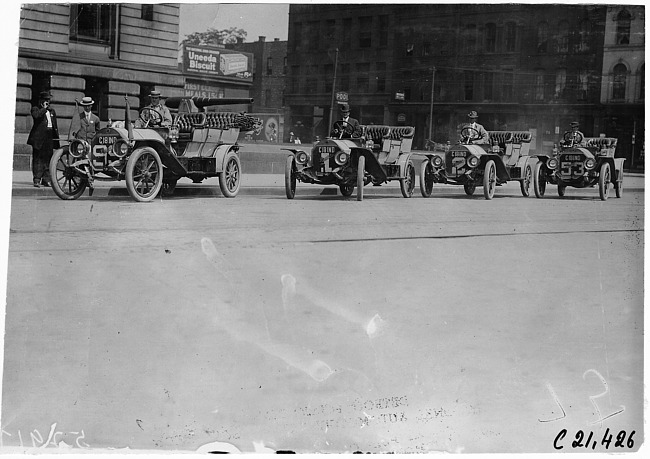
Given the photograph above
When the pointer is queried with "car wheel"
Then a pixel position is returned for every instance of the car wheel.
(618, 185)
(489, 179)
(346, 190)
(144, 174)
(561, 190)
(230, 177)
(470, 188)
(426, 178)
(290, 177)
(67, 182)
(539, 180)
(603, 181)
(168, 188)
(525, 183)
(360, 177)
(407, 184)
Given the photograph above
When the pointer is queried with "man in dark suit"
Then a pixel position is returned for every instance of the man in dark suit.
(88, 121)
(350, 127)
(44, 138)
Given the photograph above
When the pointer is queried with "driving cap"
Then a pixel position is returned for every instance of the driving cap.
(45, 95)
(344, 108)
(87, 101)
(472, 114)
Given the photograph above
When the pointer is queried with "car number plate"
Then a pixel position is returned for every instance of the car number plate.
(572, 157)
(458, 154)
(329, 150)
(106, 139)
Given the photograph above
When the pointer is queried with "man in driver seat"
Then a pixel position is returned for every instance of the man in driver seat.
(478, 134)
(574, 136)
(349, 126)
(157, 106)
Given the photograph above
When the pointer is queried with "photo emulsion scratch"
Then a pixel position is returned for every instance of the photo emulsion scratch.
(324, 228)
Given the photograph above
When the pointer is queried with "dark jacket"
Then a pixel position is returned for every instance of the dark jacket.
(87, 130)
(40, 133)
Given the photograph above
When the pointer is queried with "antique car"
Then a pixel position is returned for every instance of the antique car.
(152, 157)
(469, 164)
(373, 154)
(581, 163)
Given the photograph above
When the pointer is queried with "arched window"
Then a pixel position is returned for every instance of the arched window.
(542, 38)
(623, 21)
(563, 37)
(620, 77)
(490, 37)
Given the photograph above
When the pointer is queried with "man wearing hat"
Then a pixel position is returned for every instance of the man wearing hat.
(479, 135)
(88, 121)
(349, 127)
(44, 138)
(157, 106)
(574, 136)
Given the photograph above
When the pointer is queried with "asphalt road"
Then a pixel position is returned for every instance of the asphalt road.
(323, 324)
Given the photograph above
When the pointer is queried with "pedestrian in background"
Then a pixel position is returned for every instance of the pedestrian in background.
(89, 123)
(44, 138)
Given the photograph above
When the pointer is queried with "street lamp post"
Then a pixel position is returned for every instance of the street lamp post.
(336, 61)
(433, 76)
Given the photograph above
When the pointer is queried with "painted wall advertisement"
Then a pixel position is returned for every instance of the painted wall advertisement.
(217, 62)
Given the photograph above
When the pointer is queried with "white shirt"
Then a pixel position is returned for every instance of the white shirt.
(49, 119)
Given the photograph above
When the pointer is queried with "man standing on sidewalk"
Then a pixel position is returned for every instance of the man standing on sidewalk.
(44, 138)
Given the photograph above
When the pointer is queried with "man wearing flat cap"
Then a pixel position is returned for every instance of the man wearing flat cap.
(157, 106)
(44, 138)
(88, 122)
(479, 135)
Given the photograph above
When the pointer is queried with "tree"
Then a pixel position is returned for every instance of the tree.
(215, 37)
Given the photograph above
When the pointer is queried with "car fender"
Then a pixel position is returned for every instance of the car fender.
(220, 154)
(372, 165)
(502, 173)
(618, 164)
(402, 161)
(167, 158)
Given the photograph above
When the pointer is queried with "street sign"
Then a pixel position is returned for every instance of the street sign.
(341, 96)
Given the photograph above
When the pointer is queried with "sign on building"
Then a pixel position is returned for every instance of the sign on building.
(217, 62)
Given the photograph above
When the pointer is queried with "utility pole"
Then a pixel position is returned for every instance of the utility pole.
(336, 61)
(433, 77)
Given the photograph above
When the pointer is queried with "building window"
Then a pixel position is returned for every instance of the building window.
(426, 49)
(365, 32)
(92, 22)
(314, 35)
(620, 77)
(269, 66)
(330, 29)
(507, 87)
(539, 85)
(345, 77)
(329, 77)
(439, 85)
(297, 35)
(347, 32)
(563, 37)
(585, 33)
(560, 83)
(147, 12)
(312, 79)
(383, 30)
(542, 38)
(363, 77)
(623, 21)
(583, 85)
(490, 37)
(488, 85)
(511, 36)
(468, 88)
(470, 39)
(381, 76)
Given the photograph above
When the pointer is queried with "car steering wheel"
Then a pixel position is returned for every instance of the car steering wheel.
(343, 126)
(149, 115)
(572, 138)
(468, 133)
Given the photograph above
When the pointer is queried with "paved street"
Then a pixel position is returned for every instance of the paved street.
(199, 323)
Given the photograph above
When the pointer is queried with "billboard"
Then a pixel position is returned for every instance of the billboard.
(217, 62)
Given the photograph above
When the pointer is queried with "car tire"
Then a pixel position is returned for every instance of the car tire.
(290, 177)
(361, 166)
(525, 183)
(618, 185)
(604, 177)
(230, 176)
(470, 188)
(489, 179)
(407, 184)
(144, 174)
(67, 183)
(561, 190)
(539, 180)
(426, 178)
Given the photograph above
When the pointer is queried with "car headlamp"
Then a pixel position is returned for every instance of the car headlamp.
(436, 161)
(472, 161)
(78, 148)
(341, 158)
(590, 164)
(301, 157)
(120, 148)
(552, 163)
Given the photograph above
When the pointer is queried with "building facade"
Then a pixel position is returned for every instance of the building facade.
(522, 67)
